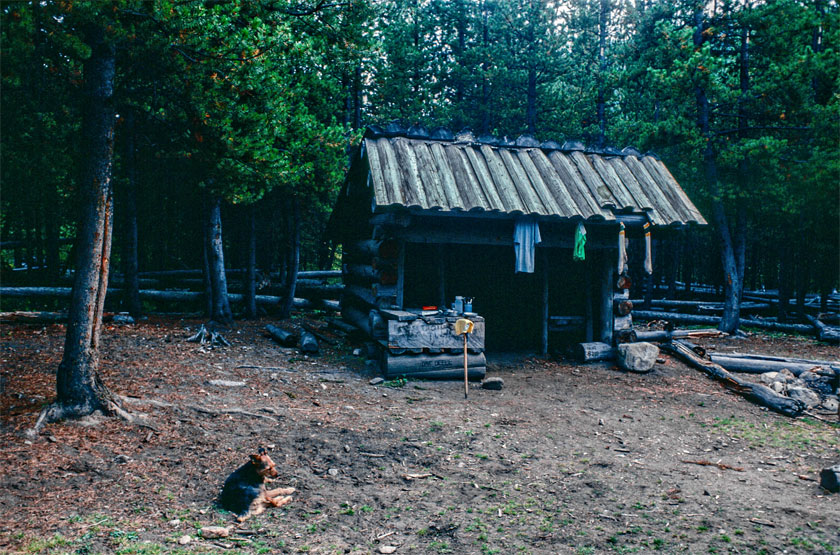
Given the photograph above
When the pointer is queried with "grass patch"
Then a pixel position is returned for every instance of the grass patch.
(803, 433)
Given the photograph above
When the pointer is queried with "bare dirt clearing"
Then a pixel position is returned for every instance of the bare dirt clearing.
(564, 459)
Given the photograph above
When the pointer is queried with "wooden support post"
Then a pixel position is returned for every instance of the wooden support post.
(589, 300)
(544, 262)
(401, 274)
(606, 299)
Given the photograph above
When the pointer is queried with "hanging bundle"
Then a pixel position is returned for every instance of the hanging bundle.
(622, 250)
(648, 254)
(580, 242)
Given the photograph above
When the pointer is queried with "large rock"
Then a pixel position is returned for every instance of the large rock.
(637, 357)
(809, 397)
(769, 378)
(830, 478)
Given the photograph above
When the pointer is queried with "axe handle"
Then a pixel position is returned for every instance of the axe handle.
(466, 378)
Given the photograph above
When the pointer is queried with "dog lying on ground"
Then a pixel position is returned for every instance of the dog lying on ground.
(244, 492)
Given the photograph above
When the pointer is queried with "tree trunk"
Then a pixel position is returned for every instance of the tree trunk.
(785, 271)
(220, 310)
(532, 101)
(130, 263)
(208, 287)
(732, 279)
(293, 254)
(251, 277)
(602, 68)
(79, 389)
(485, 71)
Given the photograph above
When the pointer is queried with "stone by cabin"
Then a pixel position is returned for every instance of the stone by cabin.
(531, 233)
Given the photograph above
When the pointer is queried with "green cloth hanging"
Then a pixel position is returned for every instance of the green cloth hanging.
(580, 242)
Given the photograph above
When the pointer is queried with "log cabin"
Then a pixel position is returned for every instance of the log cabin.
(533, 232)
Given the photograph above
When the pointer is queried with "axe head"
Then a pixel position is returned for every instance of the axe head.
(462, 326)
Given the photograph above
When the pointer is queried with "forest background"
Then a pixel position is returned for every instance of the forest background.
(240, 116)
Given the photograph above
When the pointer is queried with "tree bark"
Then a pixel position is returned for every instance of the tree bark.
(131, 284)
(220, 309)
(293, 254)
(756, 393)
(79, 389)
(251, 277)
(602, 69)
(732, 279)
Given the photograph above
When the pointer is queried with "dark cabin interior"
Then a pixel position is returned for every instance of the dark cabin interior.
(511, 303)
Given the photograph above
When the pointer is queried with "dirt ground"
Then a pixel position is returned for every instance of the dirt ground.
(564, 459)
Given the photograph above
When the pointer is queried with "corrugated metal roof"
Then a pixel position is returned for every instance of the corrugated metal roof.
(449, 175)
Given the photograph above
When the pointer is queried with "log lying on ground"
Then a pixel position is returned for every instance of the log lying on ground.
(308, 343)
(319, 274)
(835, 364)
(829, 334)
(145, 294)
(678, 318)
(315, 274)
(757, 393)
(358, 318)
(281, 336)
(665, 335)
(329, 304)
(340, 325)
(441, 366)
(27, 317)
(707, 305)
(750, 365)
(594, 351)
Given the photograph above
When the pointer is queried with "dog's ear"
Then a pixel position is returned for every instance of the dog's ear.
(255, 459)
(262, 451)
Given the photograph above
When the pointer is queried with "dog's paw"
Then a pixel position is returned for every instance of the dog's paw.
(281, 501)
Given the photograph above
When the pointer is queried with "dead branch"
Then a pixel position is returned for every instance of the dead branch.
(198, 408)
(207, 337)
(719, 465)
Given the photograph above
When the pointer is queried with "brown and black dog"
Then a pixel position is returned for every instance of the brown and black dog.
(244, 492)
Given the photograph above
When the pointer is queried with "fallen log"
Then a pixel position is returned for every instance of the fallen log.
(760, 366)
(356, 317)
(321, 334)
(319, 274)
(679, 318)
(281, 336)
(329, 304)
(27, 317)
(673, 303)
(829, 334)
(665, 335)
(594, 351)
(308, 343)
(145, 294)
(675, 317)
(757, 393)
(340, 325)
(835, 364)
(440, 366)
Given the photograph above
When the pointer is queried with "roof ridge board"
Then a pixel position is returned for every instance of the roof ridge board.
(398, 129)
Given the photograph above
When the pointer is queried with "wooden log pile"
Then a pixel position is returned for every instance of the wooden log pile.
(371, 273)
(757, 393)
